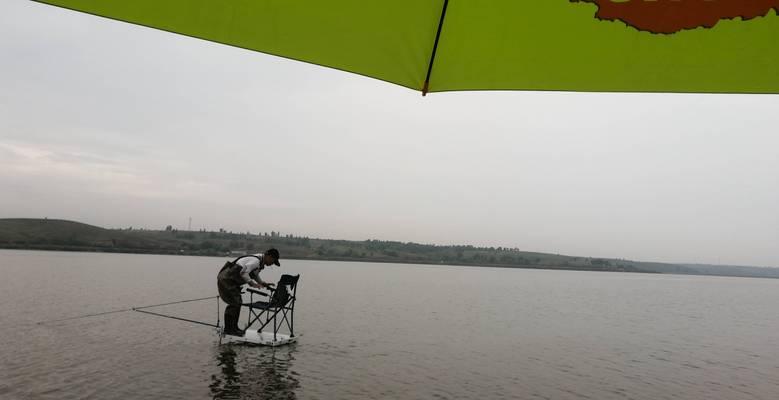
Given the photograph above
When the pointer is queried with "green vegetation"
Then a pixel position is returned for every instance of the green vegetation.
(49, 234)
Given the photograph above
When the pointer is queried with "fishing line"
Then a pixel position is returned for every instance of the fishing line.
(82, 316)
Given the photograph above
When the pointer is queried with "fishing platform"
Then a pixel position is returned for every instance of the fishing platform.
(270, 320)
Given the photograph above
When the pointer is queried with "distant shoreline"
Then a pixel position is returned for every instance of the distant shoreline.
(342, 259)
(71, 236)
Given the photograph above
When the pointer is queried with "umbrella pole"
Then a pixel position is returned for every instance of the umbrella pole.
(426, 86)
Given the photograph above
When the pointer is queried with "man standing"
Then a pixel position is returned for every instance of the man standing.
(234, 274)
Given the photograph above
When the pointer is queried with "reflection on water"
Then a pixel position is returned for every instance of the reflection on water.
(250, 372)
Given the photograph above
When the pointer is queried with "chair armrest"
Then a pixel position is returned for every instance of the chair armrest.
(257, 292)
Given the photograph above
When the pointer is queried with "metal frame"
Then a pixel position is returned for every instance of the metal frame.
(266, 312)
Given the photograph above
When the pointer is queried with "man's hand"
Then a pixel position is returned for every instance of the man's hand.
(261, 285)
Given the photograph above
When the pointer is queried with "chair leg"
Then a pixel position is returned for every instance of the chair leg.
(292, 321)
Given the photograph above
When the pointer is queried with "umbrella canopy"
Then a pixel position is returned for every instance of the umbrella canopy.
(697, 46)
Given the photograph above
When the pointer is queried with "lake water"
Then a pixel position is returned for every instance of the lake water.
(386, 331)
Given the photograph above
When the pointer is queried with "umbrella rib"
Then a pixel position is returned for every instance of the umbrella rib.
(426, 86)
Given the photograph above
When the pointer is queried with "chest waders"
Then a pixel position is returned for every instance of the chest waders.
(229, 282)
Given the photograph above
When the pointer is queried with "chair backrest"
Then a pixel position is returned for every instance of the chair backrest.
(285, 290)
(289, 280)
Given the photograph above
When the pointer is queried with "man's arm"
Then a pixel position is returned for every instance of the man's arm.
(246, 272)
(255, 276)
(250, 275)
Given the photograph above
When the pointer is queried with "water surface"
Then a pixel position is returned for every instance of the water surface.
(372, 331)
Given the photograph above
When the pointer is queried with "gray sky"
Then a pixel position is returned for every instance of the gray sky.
(117, 125)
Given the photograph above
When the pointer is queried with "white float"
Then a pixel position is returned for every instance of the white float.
(254, 337)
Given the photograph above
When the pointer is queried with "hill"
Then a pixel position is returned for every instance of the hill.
(54, 234)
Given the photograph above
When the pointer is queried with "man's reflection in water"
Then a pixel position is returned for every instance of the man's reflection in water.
(254, 373)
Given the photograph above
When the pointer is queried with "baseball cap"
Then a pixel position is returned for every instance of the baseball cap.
(275, 254)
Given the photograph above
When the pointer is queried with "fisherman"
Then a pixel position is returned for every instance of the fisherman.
(243, 270)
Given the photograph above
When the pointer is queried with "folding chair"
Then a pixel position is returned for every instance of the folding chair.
(280, 300)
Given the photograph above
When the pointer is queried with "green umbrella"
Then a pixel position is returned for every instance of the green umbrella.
(698, 46)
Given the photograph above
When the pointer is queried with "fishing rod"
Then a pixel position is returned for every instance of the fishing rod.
(142, 309)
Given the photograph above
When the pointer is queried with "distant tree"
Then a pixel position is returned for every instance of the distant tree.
(168, 228)
(207, 245)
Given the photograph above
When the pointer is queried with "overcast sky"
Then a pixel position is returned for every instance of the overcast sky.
(118, 125)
